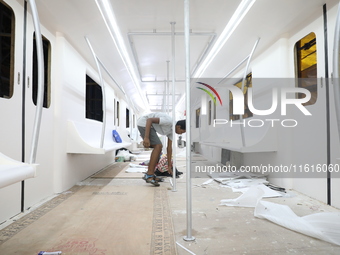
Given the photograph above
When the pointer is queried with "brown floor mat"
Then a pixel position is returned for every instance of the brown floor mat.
(94, 220)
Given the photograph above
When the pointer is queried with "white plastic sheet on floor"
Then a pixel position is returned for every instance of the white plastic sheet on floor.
(324, 226)
(134, 168)
(251, 197)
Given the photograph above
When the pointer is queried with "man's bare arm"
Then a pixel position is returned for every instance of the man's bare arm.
(146, 141)
(169, 155)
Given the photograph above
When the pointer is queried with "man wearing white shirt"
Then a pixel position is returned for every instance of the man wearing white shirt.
(151, 124)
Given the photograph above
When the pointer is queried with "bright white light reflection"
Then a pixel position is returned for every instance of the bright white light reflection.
(235, 20)
(107, 13)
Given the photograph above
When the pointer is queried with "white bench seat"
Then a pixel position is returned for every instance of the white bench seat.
(83, 138)
(12, 171)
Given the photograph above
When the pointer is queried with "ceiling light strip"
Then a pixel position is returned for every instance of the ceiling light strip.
(107, 13)
(169, 33)
(235, 20)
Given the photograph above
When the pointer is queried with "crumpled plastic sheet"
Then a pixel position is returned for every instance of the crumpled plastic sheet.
(242, 185)
(135, 170)
(251, 197)
(324, 226)
(225, 176)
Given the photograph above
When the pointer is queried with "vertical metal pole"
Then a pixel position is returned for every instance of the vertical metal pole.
(328, 149)
(23, 107)
(189, 236)
(40, 96)
(167, 87)
(103, 91)
(173, 107)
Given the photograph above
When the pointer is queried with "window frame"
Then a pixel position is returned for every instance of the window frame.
(10, 86)
(247, 113)
(93, 100)
(47, 72)
(306, 78)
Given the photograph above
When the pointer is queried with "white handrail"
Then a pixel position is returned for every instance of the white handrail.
(234, 69)
(121, 89)
(103, 91)
(40, 96)
(244, 78)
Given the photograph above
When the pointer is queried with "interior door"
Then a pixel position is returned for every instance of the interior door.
(12, 94)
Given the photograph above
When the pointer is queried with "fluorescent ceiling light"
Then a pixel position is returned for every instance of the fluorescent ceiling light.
(107, 13)
(235, 20)
(149, 78)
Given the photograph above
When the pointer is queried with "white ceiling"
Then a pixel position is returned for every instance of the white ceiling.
(267, 19)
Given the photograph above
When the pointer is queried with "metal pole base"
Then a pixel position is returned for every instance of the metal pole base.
(173, 186)
(189, 239)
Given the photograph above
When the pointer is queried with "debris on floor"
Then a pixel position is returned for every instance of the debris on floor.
(134, 168)
(324, 226)
(251, 197)
(50, 253)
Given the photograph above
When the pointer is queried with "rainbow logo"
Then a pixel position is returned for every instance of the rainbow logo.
(209, 93)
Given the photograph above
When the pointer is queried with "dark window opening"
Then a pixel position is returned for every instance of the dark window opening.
(47, 80)
(114, 112)
(117, 113)
(127, 118)
(7, 24)
(94, 100)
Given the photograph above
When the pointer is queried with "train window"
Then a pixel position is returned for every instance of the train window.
(214, 109)
(306, 66)
(127, 117)
(114, 112)
(7, 24)
(198, 113)
(47, 72)
(117, 113)
(209, 116)
(247, 112)
(94, 100)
